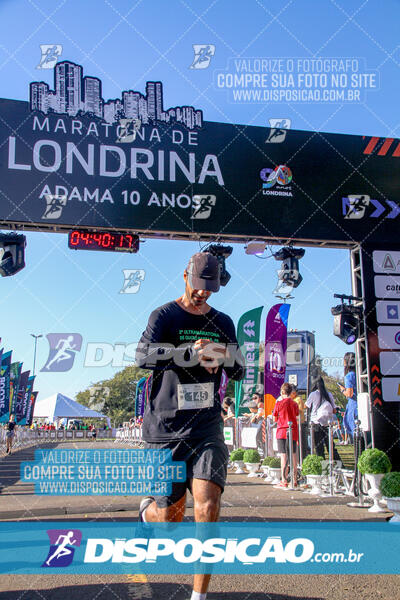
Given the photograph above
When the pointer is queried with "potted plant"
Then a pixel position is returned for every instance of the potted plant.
(275, 469)
(252, 460)
(312, 469)
(265, 464)
(373, 464)
(265, 468)
(390, 489)
(237, 459)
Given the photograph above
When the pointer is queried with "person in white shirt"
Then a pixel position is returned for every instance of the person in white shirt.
(322, 405)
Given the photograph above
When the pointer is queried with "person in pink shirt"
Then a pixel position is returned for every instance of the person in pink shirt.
(286, 410)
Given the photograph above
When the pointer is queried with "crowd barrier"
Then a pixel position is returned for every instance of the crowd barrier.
(28, 437)
(129, 435)
(238, 433)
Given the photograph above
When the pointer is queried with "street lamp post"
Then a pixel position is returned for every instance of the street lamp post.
(34, 352)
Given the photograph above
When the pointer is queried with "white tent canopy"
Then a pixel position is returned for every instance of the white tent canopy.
(59, 406)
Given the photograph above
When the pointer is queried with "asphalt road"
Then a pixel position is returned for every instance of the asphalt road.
(244, 499)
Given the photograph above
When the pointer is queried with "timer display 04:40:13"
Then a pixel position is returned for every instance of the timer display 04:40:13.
(81, 239)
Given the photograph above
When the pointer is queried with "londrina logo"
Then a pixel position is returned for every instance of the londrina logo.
(61, 551)
(281, 175)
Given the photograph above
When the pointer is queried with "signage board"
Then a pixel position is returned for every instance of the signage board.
(70, 158)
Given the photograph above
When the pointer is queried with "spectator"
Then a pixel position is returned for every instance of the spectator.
(257, 397)
(350, 391)
(323, 408)
(228, 408)
(10, 433)
(338, 431)
(252, 416)
(286, 410)
(303, 425)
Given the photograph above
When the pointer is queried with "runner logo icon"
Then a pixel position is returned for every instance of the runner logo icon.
(50, 55)
(202, 206)
(61, 551)
(62, 351)
(203, 54)
(54, 206)
(354, 206)
(278, 130)
(132, 280)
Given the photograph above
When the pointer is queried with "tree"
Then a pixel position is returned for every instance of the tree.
(331, 382)
(114, 397)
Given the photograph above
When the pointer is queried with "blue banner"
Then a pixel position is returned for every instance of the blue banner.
(103, 472)
(15, 374)
(19, 399)
(142, 391)
(26, 404)
(5, 386)
(230, 548)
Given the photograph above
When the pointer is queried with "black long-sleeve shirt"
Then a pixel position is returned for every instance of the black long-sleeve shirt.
(184, 401)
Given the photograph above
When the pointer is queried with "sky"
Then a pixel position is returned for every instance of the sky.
(126, 44)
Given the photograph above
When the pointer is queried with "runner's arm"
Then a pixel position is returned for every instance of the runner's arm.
(152, 352)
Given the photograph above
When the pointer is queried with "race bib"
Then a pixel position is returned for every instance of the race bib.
(195, 395)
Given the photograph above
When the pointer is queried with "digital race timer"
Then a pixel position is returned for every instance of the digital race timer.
(82, 239)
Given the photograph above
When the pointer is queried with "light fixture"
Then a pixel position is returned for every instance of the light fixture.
(347, 320)
(255, 247)
(221, 253)
(12, 253)
(289, 272)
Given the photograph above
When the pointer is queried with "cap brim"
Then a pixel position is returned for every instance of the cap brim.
(210, 285)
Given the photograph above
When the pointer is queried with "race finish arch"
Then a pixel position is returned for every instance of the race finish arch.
(69, 159)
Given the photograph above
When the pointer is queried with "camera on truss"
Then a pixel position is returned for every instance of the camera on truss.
(347, 319)
(289, 272)
(12, 253)
(221, 253)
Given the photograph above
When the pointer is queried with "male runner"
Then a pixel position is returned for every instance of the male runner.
(183, 413)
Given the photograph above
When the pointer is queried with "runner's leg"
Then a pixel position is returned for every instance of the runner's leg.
(207, 502)
(173, 513)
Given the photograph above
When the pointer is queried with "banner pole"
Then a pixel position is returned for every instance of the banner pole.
(290, 450)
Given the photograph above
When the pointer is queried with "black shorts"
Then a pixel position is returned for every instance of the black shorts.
(205, 459)
(283, 446)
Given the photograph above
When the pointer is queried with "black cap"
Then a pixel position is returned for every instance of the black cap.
(203, 272)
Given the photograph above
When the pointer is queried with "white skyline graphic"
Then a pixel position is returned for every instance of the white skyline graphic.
(76, 95)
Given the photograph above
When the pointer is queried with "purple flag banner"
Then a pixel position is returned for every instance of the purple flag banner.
(223, 385)
(26, 400)
(31, 408)
(5, 386)
(275, 354)
(19, 396)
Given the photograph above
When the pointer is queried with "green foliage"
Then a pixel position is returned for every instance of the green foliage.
(275, 462)
(237, 455)
(114, 397)
(230, 390)
(390, 485)
(331, 384)
(373, 461)
(251, 456)
(266, 462)
(330, 381)
(312, 465)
